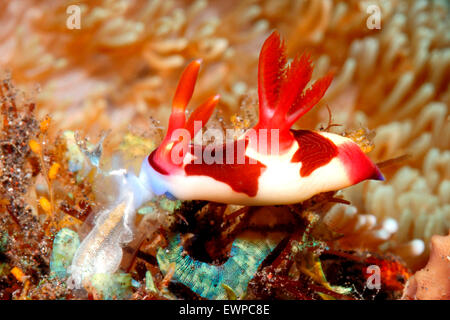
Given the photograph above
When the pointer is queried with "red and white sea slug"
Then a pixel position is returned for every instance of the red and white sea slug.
(271, 163)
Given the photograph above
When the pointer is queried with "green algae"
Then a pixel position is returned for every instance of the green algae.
(65, 245)
(212, 281)
(149, 283)
(116, 286)
(3, 240)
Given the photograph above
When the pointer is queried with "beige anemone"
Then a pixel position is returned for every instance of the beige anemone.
(123, 64)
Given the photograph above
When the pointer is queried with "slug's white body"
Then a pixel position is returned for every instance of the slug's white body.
(279, 183)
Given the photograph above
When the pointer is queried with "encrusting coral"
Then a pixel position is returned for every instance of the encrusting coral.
(25, 243)
(432, 282)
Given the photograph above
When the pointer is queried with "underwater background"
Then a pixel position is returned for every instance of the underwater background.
(80, 97)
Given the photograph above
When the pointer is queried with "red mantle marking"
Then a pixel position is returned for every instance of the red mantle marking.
(241, 177)
(358, 166)
(314, 151)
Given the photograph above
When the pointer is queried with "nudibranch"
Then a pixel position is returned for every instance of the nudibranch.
(269, 164)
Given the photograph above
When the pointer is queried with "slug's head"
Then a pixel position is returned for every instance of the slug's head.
(168, 157)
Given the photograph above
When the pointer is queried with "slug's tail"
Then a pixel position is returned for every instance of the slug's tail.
(282, 98)
(101, 250)
(180, 132)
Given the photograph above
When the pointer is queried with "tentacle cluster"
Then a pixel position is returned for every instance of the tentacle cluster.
(281, 88)
(161, 157)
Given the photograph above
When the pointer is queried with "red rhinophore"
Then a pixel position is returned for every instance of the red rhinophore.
(155, 165)
(357, 165)
(282, 98)
(240, 172)
(161, 158)
(314, 151)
